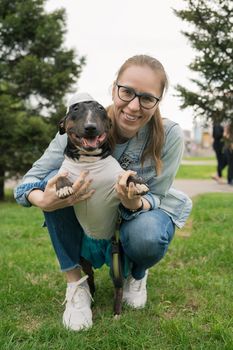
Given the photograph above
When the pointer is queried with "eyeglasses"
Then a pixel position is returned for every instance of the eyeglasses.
(128, 94)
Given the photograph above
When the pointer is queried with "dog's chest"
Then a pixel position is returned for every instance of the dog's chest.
(104, 171)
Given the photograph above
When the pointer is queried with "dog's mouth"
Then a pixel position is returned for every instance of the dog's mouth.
(91, 143)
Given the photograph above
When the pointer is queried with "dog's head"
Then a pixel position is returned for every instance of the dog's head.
(87, 126)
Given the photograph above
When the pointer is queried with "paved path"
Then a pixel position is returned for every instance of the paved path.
(198, 162)
(195, 187)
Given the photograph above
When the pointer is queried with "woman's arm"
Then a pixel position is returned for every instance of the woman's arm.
(39, 188)
(47, 166)
(48, 200)
(51, 160)
(175, 203)
(159, 185)
(171, 157)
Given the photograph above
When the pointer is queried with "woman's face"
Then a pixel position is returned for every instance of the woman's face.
(130, 116)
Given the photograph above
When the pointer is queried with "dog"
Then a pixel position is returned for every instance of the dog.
(89, 148)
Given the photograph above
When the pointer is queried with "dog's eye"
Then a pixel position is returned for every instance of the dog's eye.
(75, 108)
(101, 108)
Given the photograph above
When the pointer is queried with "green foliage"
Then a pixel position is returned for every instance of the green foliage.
(36, 71)
(189, 291)
(210, 34)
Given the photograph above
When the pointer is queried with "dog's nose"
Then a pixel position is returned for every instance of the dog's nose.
(90, 127)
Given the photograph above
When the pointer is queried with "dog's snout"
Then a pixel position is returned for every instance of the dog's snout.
(90, 127)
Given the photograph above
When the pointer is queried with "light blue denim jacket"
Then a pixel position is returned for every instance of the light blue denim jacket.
(175, 203)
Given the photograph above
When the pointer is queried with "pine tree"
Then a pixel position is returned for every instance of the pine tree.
(211, 35)
(36, 71)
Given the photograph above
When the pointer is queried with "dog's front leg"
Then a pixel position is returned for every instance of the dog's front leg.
(139, 183)
(64, 187)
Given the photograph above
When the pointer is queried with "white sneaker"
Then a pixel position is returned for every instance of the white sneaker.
(78, 314)
(134, 291)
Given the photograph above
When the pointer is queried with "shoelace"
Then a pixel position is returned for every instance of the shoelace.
(79, 286)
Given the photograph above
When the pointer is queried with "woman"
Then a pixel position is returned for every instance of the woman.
(144, 143)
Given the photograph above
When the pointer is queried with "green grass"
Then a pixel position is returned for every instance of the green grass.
(203, 172)
(195, 171)
(189, 291)
(198, 171)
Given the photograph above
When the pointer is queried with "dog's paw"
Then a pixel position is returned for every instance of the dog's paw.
(140, 184)
(142, 189)
(64, 188)
(65, 192)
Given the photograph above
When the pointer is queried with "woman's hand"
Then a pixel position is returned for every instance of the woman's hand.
(129, 193)
(49, 201)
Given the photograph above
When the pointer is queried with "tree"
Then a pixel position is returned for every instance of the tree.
(211, 35)
(36, 71)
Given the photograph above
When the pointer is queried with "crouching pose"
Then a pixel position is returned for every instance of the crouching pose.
(143, 142)
(89, 149)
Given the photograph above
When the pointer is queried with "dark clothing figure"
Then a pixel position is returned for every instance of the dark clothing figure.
(228, 139)
(218, 146)
(229, 156)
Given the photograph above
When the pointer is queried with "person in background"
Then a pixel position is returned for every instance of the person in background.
(218, 146)
(228, 138)
(145, 143)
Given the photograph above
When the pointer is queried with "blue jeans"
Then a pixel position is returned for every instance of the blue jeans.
(145, 238)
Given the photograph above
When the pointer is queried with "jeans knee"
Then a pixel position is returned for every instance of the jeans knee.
(147, 244)
(148, 249)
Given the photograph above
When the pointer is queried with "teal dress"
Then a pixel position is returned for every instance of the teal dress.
(98, 252)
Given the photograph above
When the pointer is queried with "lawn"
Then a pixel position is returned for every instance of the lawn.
(190, 291)
(198, 171)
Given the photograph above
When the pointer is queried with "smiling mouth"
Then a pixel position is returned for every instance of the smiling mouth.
(130, 118)
(93, 142)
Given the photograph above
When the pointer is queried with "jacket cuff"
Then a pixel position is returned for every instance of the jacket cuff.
(153, 200)
(22, 192)
(129, 215)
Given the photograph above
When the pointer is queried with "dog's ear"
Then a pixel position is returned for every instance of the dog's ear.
(62, 125)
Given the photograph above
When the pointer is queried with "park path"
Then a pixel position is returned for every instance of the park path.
(195, 187)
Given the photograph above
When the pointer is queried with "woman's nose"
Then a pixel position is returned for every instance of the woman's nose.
(134, 105)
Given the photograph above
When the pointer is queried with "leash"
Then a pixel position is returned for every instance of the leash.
(117, 257)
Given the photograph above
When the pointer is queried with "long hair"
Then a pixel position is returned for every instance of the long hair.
(156, 137)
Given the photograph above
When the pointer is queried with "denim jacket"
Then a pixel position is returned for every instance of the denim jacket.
(175, 203)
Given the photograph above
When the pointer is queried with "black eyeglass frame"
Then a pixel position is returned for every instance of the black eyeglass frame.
(139, 95)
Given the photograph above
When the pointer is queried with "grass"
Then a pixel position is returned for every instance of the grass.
(190, 290)
(196, 171)
(203, 172)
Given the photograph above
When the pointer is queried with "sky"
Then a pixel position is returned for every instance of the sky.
(108, 32)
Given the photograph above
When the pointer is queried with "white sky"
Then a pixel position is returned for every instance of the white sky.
(107, 32)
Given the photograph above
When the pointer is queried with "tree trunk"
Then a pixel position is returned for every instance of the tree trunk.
(2, 173)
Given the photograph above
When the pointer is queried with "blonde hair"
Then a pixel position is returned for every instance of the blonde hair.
(156, 137)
